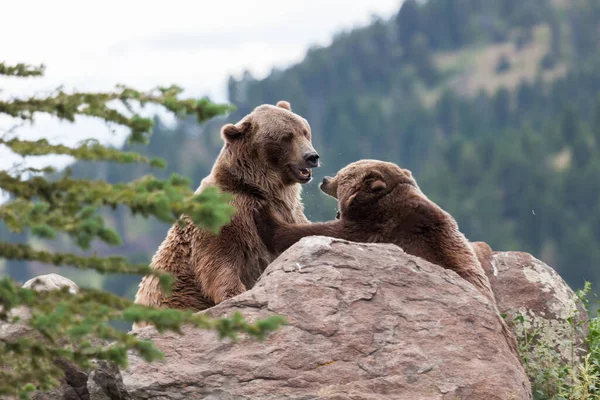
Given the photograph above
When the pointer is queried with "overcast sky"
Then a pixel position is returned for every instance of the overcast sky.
(194, 44)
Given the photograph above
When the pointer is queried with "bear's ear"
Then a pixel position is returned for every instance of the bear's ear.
(231, 132)
(284, 104)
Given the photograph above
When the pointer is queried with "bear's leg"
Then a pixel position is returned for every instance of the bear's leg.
(217, 271)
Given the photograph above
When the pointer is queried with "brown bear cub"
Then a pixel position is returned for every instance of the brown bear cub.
(265, 158)
(380, 202)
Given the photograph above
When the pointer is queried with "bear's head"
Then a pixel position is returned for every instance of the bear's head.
(270, 146)
(367, 188)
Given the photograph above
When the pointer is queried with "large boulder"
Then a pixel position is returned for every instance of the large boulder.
(366, 321)
(537, 301)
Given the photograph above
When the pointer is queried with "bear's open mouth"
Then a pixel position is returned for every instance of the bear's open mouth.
(303, 175)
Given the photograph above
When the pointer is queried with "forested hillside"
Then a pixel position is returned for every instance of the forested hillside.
(494, 106)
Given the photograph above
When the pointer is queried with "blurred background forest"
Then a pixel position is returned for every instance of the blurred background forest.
(494, 106)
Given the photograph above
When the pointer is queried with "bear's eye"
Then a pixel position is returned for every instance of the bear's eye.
(287, 136)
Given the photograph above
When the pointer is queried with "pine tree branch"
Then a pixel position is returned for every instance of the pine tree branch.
(113, 264)
(67, 106)
(21, 70)
(68, 204)
(90, 150)
(82, 225)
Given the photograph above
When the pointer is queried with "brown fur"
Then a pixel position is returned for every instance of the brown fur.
(259, 163)
(380, 202)
(484, 253)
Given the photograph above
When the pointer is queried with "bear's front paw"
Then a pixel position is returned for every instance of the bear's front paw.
(265, 225)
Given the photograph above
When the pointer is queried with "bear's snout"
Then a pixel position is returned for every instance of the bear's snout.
(312, 158)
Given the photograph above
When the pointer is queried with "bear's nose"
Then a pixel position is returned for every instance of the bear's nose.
(312, 159)
(326, 180)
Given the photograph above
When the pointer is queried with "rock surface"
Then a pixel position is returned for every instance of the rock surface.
(10, 332)
(524, 285)
(366, 321)
(46, 282)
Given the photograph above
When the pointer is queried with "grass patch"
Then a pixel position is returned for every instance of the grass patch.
(552, 377)
(471, 69)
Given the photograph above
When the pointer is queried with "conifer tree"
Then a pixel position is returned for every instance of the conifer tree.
(45, 203)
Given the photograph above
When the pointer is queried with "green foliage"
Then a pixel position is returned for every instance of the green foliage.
(447, 26)
(543, 364)
(90, 150)
(46, 204)
(552, 377)
(22, 70)
(70, 204)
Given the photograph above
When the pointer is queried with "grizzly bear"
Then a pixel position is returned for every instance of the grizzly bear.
(265, 158)
(379, 202)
